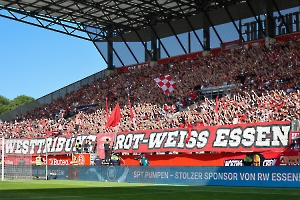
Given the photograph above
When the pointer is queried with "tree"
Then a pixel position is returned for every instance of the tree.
(20, 101)
(4, 104)
(7, 105)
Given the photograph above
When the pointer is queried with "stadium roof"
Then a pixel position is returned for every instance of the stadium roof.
(122, 19)
(107, 21)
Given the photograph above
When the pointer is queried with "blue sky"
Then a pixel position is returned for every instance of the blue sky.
(36, 61)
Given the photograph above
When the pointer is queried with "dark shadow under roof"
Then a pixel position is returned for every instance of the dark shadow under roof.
(126, 17)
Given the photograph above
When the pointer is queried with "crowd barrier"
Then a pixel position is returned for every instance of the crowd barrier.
(276, 176)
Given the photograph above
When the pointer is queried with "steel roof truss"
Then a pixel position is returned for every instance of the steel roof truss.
(257, 21)
(189, 23)
(237, 29)
(281, 17)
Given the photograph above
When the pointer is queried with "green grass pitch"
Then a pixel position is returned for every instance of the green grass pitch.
(87, 190)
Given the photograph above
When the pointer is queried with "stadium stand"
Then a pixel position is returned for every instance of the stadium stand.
(265, 87)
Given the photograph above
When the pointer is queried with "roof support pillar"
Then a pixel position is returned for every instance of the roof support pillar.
(154, 56)
(253, 26)
(206, 34)
(239, 30)
(281, 17)
(110, 63)
(269, 24)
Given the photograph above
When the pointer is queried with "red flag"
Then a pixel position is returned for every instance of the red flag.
(132, 114)
(217, 104)
(115, 117)
(189, 126)
(131, 111)
(217, 108)
(106, 104)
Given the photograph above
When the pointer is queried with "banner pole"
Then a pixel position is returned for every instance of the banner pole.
(115, 136)
(46, 145)
(3, 160)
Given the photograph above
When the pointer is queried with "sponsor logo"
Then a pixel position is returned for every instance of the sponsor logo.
(289, 160)
(81, 160)
(54, 161)
(269, 162)
(233, 163)
(239, 162)
(111, 173)
(73, 174)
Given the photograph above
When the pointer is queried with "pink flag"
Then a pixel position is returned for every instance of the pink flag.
(166, 83)
(115, 117)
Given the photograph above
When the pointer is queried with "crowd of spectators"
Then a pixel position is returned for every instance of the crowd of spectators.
(265, 88)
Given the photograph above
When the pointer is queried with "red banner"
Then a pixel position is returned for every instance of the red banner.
(27, 160)
(17, 160)
(101, 138)
(231, 45)
(59, 160)
(82, 159)
(268, 158)
(289, 158)
(256, 137)
(133, 67)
